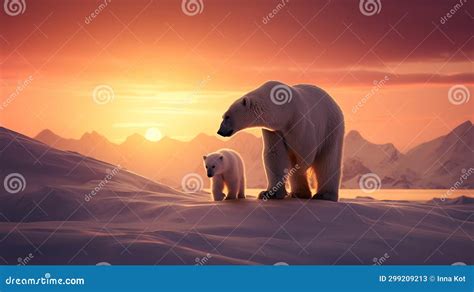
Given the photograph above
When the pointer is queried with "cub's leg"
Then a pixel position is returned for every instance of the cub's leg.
(217, 188)
(233, 186)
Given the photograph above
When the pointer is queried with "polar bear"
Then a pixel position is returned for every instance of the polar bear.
(302, 128)
(225, 167)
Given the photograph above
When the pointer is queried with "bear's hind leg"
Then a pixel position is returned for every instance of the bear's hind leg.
(299, 186)
(241, 193)
(299, 182)
(327, 166)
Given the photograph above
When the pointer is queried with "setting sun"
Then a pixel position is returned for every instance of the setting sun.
(153, 134)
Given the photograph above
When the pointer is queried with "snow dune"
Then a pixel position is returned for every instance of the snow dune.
(132, 220)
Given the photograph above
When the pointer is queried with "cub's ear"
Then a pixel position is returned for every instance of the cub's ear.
(245, 101)
(221, 157)
(204, 157)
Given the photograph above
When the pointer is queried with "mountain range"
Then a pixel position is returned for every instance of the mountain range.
(436, 164)
(63, 208)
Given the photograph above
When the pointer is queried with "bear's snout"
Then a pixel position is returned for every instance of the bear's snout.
(225, 133)
(225, 130)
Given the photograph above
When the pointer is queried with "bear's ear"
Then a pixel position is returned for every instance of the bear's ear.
(204, 157)
(245, 101)
(221, 157)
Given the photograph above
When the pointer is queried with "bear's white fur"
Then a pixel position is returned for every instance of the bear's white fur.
(302, 126)
(225, 167)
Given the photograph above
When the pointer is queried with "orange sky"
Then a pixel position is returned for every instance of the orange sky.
(179, 73)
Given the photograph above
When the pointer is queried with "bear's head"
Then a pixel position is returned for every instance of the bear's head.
(258, 108)
(214, 164)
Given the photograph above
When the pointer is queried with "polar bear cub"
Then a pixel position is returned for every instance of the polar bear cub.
(226, 168)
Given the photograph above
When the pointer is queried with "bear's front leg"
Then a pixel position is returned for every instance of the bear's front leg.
(233, 187)
(276, 160)
(217, 188)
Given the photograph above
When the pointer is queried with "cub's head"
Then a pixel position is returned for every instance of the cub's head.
(258, 108)
(214, 164)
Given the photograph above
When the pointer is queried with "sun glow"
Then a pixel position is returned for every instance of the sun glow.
(153, 134)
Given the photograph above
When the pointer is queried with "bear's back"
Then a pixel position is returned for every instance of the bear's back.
(325, 114)
(312, 93)
(232, 157)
